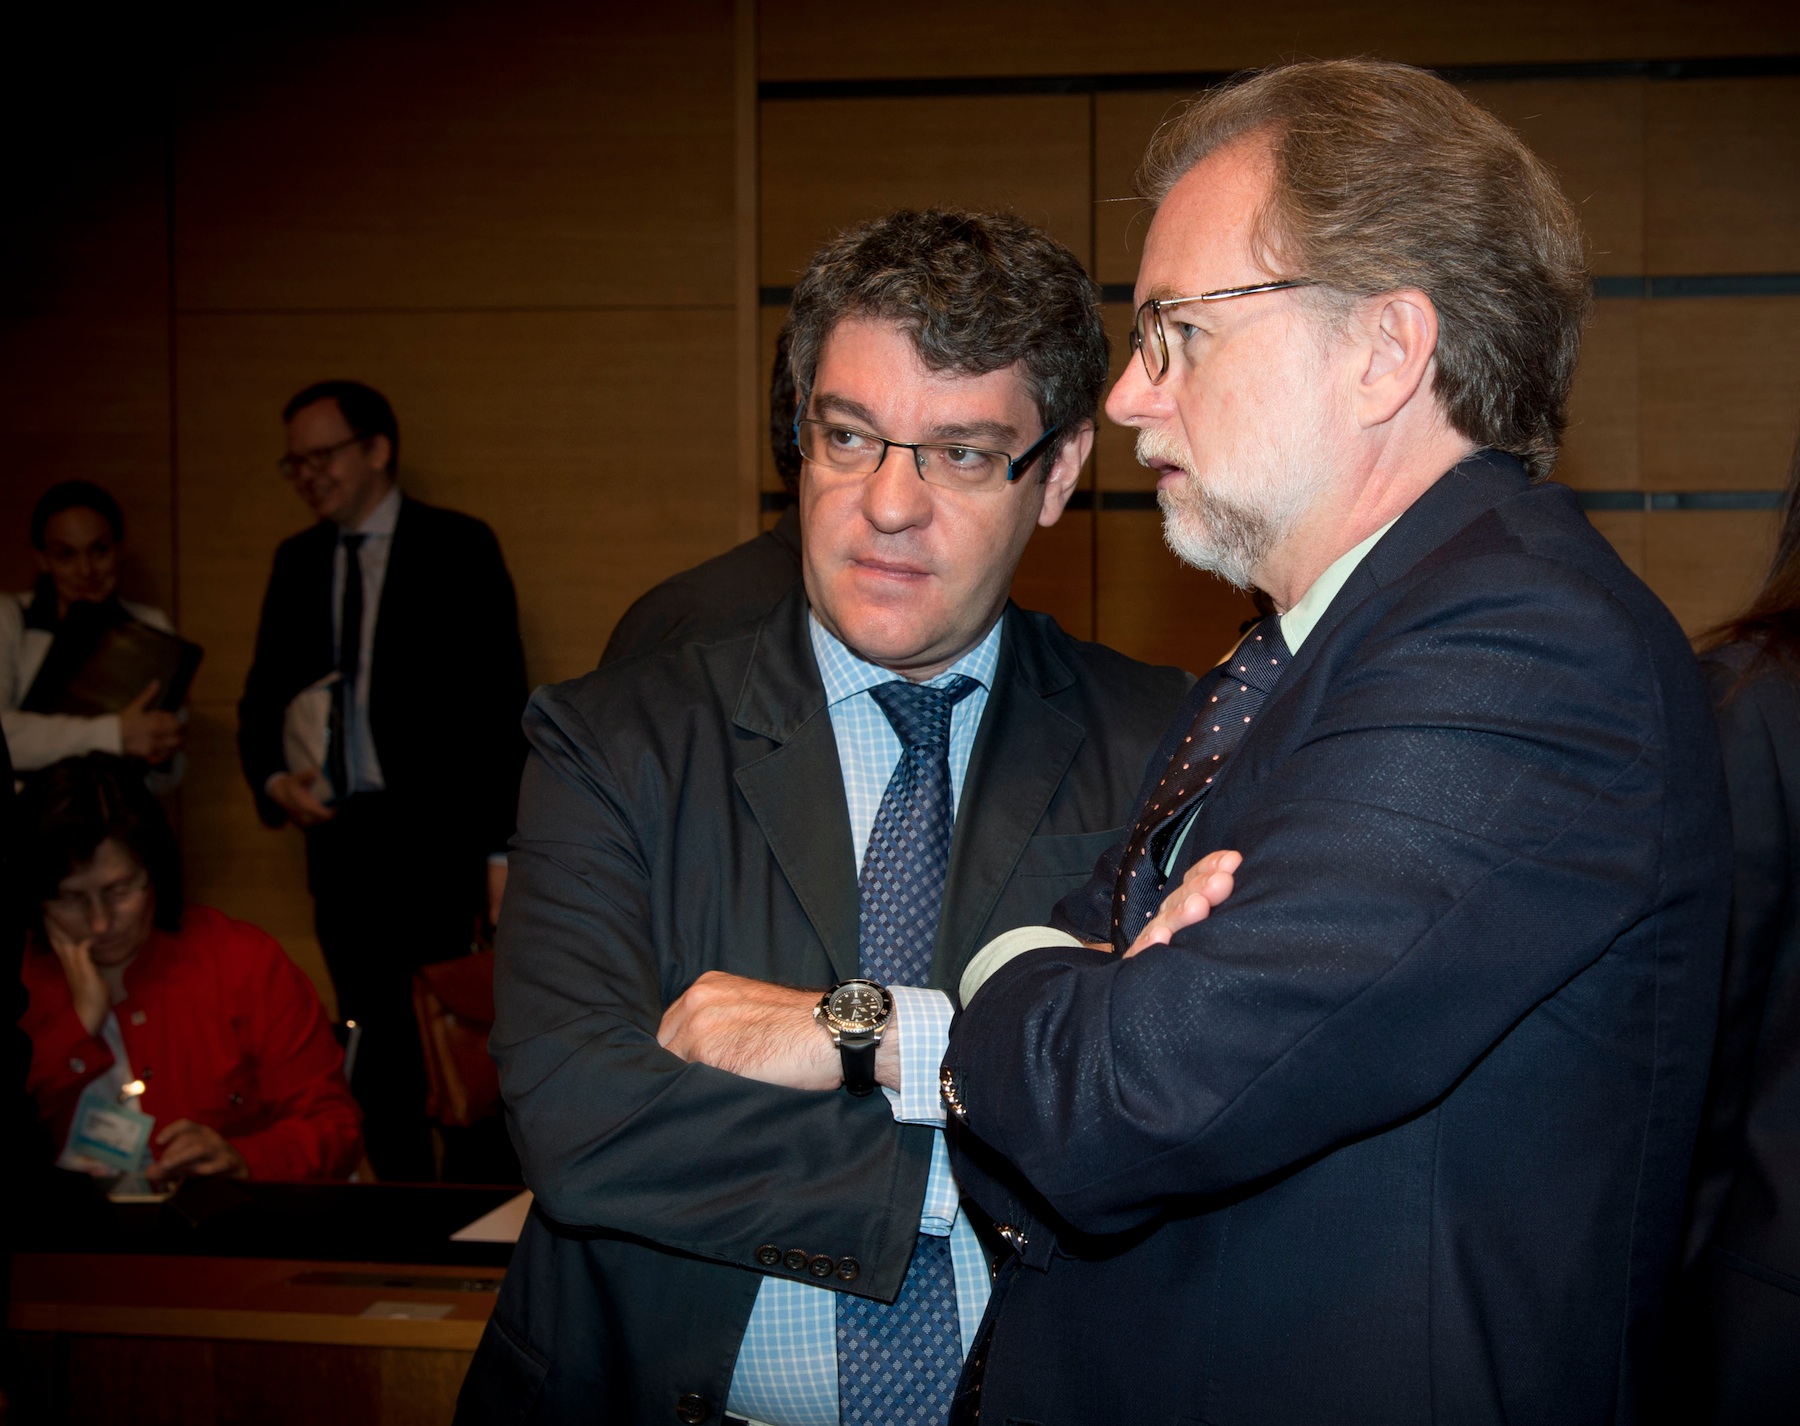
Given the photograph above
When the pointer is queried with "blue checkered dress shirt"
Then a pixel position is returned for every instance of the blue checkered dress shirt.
(787, 1366)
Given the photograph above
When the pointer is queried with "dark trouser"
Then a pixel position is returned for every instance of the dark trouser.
(390, 893)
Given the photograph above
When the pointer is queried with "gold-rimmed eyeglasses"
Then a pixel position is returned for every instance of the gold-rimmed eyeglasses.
(1148, 339)
(846, 450)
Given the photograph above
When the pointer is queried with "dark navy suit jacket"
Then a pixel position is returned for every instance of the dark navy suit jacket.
(1400, 1133)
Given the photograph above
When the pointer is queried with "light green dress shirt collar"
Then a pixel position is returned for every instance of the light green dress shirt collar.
(1299, 621)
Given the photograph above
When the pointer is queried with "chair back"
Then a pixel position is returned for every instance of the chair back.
(454, 1003)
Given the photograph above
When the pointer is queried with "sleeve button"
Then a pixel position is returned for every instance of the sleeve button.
(768, 1255)
(848, 1269)
(821, 1266)
(795, 1260)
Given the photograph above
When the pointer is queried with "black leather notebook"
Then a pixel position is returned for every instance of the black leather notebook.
(103, 658)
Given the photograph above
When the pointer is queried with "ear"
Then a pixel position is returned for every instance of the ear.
(43, 560)
(1400, 334)
(381, 451)
(1065, 473)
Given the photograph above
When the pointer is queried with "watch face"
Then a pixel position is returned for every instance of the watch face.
(858, 1007)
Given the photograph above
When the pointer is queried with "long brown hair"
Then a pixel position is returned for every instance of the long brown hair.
(1772, 621)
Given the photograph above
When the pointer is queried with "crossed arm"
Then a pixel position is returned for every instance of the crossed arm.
(767, 1032)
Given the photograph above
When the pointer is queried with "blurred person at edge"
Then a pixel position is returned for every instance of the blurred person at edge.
(126, 981)
(1737, 1342)
(78, 532)
(410, 609)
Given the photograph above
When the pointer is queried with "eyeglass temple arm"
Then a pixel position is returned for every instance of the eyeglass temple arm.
(1017, 468)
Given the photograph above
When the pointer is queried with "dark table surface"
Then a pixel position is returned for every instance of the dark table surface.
(376, 1222)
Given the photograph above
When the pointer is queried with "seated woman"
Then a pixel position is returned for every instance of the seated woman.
(237, 1062)
(77, 530)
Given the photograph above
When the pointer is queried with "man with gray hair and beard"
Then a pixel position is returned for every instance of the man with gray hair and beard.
(1400, 1132)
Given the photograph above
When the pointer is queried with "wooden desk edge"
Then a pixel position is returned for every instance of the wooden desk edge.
(324, 1329)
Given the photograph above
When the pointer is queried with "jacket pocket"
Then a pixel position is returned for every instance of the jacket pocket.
(504, 1380)
(1070, 856)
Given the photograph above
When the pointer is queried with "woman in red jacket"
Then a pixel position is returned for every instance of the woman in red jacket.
(197, 1020)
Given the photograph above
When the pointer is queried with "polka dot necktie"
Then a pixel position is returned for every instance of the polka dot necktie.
(1240, 687)
(899, 1364)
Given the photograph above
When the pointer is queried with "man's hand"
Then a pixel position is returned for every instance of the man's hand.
(86, 988)
(292, 792)
(755, 1029)
(190, 1148)
(148, 733)
(1207, 883)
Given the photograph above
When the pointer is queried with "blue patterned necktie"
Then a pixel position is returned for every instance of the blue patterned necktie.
(1241, 686)
(899, 1364)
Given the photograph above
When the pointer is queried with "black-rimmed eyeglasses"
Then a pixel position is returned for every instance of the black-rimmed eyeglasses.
(316, 461)
(1148, 339)
(847, 450)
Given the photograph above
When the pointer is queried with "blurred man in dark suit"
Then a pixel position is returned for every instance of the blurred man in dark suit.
(744, 583)
(1400, 1134)
(397, 620)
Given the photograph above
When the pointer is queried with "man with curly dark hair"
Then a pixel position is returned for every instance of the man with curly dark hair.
(751, 865)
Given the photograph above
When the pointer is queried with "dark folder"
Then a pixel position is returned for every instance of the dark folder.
(102, 658)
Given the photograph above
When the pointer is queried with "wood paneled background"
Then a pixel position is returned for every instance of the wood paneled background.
(556, 233)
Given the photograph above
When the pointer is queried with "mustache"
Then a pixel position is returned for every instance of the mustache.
(1165, 448)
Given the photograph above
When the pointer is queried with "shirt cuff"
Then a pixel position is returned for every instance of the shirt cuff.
(496, 859)
(1002, 949)
(922, 1022)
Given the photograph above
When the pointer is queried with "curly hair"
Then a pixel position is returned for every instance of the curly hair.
(1387, 177)
(977, 291)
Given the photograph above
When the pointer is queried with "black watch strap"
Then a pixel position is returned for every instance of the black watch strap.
(859, 1068)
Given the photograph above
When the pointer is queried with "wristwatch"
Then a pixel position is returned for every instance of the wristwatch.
(855, 1013)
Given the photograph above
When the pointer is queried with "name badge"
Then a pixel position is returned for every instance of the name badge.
(109, 1136)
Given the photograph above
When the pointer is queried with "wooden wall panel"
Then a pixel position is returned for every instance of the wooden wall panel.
(1723, 165)
(1155, 608)
(1123, 124)
(1721, 392)
(828, 163)
(1591, 132)
(539, 154)
(1057, 573)
(821, 39)
(85, 396)
(84, 369)
(1706, 564)
(1600, 448)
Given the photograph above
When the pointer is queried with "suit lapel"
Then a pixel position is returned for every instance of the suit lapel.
(796, 791)
(1023, 750)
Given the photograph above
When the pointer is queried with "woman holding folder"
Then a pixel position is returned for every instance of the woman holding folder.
(78, 532)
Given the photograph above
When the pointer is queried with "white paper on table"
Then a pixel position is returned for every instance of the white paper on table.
(409, 1311)
(500, 1225)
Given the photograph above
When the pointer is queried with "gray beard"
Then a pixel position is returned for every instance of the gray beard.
(1208, 533)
